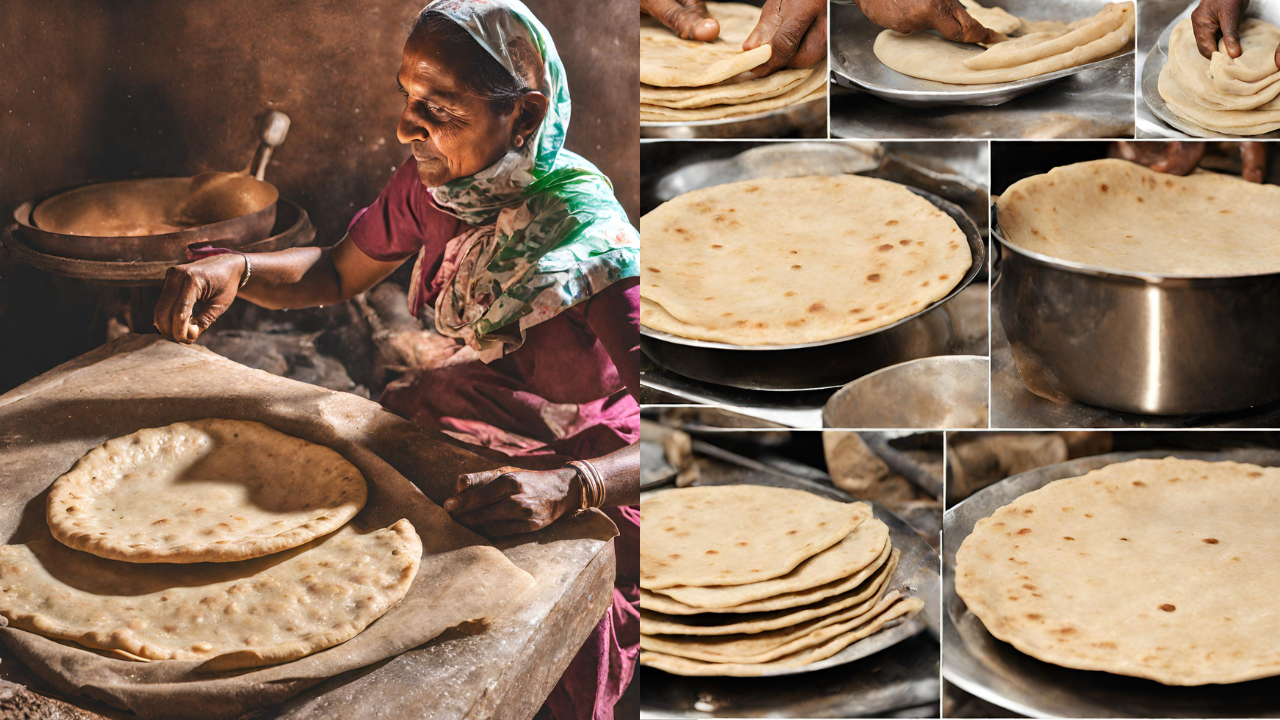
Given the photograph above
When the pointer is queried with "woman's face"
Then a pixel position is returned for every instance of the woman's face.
(453, 132)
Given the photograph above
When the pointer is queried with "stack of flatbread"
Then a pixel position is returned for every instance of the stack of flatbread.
(684, 80)
(1233, 96)
(215, 540)
(745, 580)
(1157, 568)
(795, 260)
(1025, 48)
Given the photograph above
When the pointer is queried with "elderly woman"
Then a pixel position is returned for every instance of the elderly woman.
(529, 263)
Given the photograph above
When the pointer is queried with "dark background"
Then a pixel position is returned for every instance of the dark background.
(133, 88)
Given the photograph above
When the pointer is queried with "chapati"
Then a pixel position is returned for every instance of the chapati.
(234, 615)
(1234, 96)
(815, 81)
(1118, 215)
(899, 612)
(667, 60)
(795, 260)
(858, 550)
(736, 534)
(1044, 47)
(661, 603)
(203, 491)
(734, 91)
(1166, 569)
(714, 623)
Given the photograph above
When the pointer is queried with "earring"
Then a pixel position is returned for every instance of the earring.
(519, 140)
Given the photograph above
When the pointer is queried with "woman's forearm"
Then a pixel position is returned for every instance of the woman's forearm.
(621, 471)
(293, 278)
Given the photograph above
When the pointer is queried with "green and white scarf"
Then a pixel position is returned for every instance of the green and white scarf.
(547, 232)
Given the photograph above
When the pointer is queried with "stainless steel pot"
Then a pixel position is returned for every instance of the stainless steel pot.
(1139, 342)
(827, 364)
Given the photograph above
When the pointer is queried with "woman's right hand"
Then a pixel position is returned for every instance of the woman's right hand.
(948, 17)
(211, 283)
(1219, 18)
(687, 18)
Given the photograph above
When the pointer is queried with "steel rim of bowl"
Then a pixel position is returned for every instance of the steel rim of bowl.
(977, 249)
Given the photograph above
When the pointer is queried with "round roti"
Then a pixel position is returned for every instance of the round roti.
(203, 491)
(1161, 569)
(736, 534)
(795, 260)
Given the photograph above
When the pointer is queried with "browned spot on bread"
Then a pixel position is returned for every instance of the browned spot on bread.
(673, 557)
(905, 242)
(1210, 541)
(741, 543)
(924, 284)
(1103, 187)
(817, 307)
(716, 247)
(1105, 645)
(1029, 586)
(885, 248)
(1255, 474)
(795, 267)
(1139, 483)
(1167, 607)
(1068, 537)
(1066, 630)
(944, 277)
(1034, 616)
(1125, 539)
(792, 532)
(654, 270)
(751, 188)
(713, 552)
(891, 223)
(1024, 531)
(873, 277)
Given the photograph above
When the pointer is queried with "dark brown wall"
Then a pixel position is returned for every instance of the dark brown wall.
(138, 87)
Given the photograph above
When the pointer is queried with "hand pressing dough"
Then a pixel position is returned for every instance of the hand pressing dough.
(1043, 47)
(667, 60)
(204, 491)
(1233, 96)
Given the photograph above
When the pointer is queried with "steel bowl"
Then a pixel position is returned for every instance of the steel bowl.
(944, 392)
(1139, 342)
(829, 363)
(172, 246)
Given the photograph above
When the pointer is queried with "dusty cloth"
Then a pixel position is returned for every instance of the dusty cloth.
(141, 381)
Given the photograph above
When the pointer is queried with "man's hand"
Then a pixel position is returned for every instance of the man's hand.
(211, 282)
(508, 500)
(795, 29)
(1212, 18)
(686, 18)
(948, 17)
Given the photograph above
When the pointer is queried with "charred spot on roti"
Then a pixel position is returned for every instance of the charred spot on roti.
(817, 307)
(1168, 607)
(873, 277)
(1210, 541)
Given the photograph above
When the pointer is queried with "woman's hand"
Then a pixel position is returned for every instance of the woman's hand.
(211, 282)
(1212, 18)
(508, 500)
(687, 18)
(796, 30)
(1181, 158)
(948, 17)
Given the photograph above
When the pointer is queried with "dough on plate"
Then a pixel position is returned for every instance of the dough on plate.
(1233, 96)
(1044, 47)
(235, 615)
(1164, 569)
(734, 91)
(815, 83)
(1118, 215)
(795, 260)
(203, 491)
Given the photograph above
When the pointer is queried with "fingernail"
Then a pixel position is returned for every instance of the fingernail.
(450, 504)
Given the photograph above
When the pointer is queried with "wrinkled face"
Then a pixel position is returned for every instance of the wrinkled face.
(453, 132)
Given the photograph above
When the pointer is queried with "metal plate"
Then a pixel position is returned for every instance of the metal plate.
(1159, 55)
(854, 62)
(655, 471)
(939, 392)
(996, 672)
(673, 696)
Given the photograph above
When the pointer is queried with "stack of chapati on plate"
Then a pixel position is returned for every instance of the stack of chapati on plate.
(795, 260)
(747, 580)
(214, 540)
(685, 80)
(1166, 569)
(1233, 96)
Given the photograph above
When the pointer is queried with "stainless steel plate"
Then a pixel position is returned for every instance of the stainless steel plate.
(950, 391)
(996, 672)
(665, 695)
(1159, 55)
(855, 64)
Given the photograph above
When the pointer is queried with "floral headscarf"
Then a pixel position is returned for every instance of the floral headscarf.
(547, 232)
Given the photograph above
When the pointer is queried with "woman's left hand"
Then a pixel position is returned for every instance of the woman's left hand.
(508, 500)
